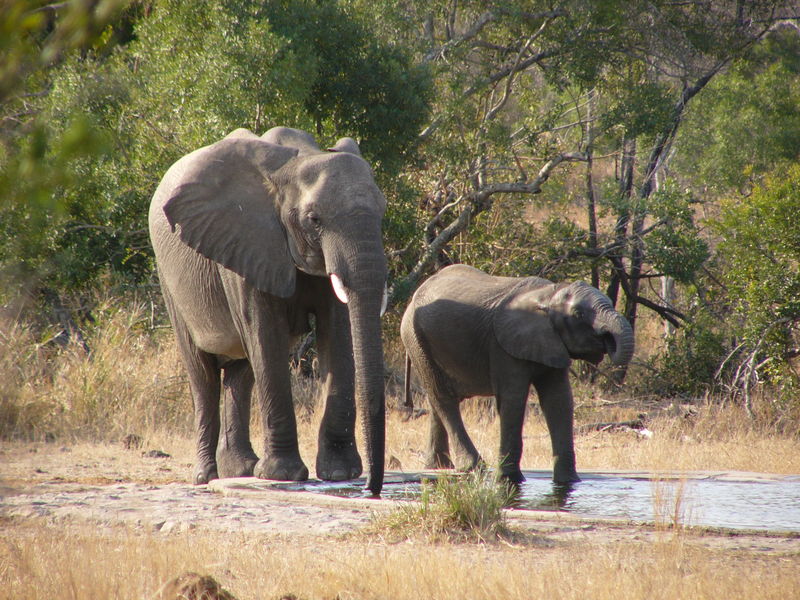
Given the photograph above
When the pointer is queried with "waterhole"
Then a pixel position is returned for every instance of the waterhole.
(728, 500)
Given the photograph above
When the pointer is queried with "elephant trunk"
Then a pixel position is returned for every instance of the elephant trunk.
(369, 388)
(617, 335)
(364, 277)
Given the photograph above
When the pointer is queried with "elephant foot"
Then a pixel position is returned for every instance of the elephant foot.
(236, 463)
(281, 468)
(205, 472)
(438, 460)
(470, 463)
(338, 462)
(565, 479)
(513, 476)
(564, 469)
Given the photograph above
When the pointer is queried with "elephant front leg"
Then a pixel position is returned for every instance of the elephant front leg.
(511, 403)
(268, 358)
(337, 455)
(555, 398)
(235, 456)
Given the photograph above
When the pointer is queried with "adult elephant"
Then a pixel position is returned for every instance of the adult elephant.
(251, 236)
(470, 334)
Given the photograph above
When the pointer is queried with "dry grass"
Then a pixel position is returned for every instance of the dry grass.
(84, 563)
(131, 381)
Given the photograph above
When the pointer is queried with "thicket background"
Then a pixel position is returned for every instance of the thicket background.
(650, 148)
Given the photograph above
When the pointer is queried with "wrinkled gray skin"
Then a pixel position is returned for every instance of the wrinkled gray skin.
(470, 334)
(246, 233)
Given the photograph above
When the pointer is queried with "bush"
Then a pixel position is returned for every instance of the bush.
(760, 250)
(691, 358)
(455, 508)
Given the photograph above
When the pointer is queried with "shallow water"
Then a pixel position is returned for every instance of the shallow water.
(771, 504)
(760, 505)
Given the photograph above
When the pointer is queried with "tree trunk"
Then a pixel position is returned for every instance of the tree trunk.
(627, 162)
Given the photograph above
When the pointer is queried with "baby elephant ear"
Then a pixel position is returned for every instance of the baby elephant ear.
(223, 205)
(346, 144)
(523, 329)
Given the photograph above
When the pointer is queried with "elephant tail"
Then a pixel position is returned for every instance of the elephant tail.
(409, 402)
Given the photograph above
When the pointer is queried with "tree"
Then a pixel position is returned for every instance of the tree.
(747, 121)
(760, 246)
(186, 74)
(35, 162)
(525, 91)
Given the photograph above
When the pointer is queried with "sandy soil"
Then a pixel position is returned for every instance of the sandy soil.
(140, 487)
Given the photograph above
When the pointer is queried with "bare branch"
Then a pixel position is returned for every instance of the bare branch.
(481, 22)
(474, 203)
(507, 92)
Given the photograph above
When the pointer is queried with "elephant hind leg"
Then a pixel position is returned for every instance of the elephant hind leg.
(204, 382)
(464, 454)
(235, 455)
(438, 455)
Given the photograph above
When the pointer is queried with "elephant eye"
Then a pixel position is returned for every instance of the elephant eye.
(313, 218)
(577, 313)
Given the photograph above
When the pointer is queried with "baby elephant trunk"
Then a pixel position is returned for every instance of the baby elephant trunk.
(617, 336)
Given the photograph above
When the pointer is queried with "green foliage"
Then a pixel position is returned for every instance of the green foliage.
(360, 86)
(637, 106)
(760, 245)
(747, 121)
(105, 123)
(37, 163)
(689, 362)
(675, 248)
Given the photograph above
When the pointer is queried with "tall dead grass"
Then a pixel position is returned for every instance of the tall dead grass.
(132, 380)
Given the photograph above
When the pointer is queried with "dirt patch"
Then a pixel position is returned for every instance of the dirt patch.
(110, 486)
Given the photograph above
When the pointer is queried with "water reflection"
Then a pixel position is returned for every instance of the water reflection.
(557, 498)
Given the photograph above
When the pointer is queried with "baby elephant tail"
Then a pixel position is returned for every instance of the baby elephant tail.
(409, 402)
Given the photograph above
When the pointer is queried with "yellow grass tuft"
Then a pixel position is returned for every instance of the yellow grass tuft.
(454, 508)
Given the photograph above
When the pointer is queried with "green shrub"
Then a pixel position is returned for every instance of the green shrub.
(454, 508)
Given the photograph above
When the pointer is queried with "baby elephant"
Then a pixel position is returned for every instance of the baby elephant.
(470, 334)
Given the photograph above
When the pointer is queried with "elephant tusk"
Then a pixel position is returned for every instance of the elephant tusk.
(338, 288)
(385, 301)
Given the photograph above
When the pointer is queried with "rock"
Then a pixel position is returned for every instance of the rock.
(155, 454)
(132, 441)
(192, 586)
(172, 525)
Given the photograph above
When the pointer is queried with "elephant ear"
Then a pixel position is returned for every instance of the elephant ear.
(346, 144)
(523, 329)
(224, 206)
